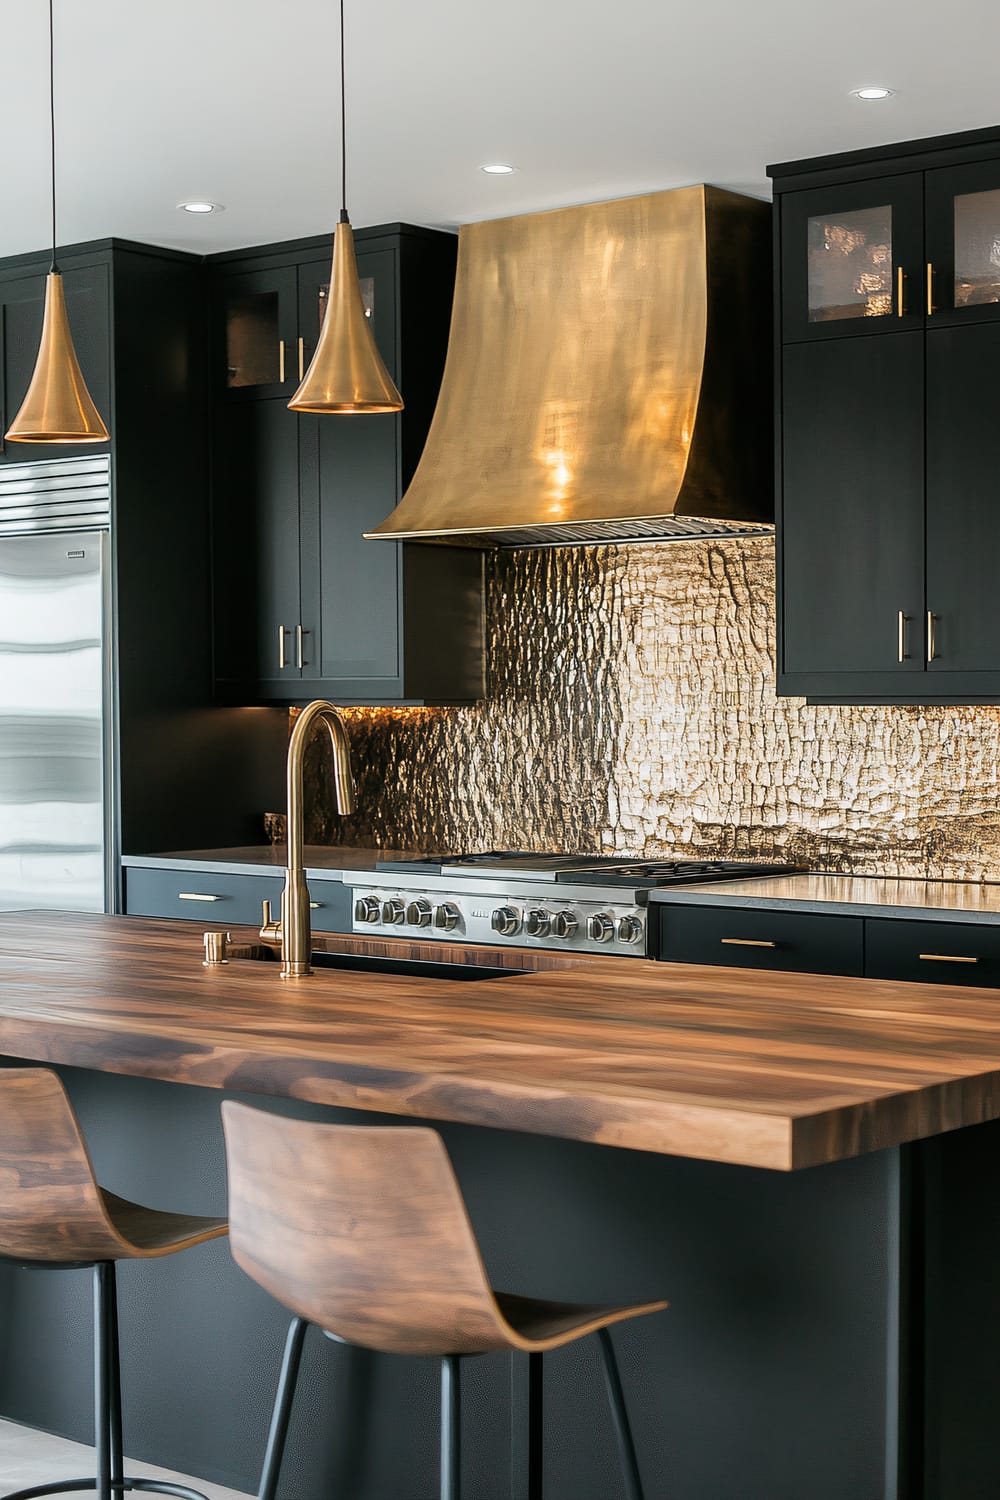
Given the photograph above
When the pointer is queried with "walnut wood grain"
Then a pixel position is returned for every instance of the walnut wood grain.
(365, 1233)
(762, 1069)
(51, 1208)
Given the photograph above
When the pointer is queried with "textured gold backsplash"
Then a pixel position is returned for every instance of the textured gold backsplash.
(631, 707)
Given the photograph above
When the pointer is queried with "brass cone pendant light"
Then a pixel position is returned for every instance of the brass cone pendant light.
(346, 373)
(58, 407)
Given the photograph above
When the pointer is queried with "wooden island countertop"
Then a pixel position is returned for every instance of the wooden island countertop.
(758, 1069)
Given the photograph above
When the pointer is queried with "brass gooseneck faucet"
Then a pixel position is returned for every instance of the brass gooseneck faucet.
(294, 931)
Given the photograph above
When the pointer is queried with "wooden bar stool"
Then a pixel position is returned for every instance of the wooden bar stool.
(363, 1231)
(53, 1216)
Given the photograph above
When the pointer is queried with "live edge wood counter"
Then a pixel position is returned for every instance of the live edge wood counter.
(768, 1070)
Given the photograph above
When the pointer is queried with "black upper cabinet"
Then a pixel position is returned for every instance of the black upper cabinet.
(889, 448)
(853, 542)
(963, 244)
(853, 258)
(963, 500)
(305, 606)
(257, 333)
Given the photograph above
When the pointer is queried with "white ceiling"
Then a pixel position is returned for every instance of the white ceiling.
(236, 101)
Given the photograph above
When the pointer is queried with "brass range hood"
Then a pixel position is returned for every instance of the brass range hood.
(608, 378)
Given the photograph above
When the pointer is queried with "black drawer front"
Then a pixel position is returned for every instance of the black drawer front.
(932, 952)
(228, 900)
(740, 938)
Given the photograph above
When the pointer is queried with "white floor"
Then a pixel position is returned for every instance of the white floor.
(28, 1457)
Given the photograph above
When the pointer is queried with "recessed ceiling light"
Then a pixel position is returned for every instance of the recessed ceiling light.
(873, 93)
(498, 168)
(201, 206)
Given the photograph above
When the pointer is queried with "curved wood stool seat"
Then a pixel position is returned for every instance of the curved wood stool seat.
(363, 1231)
(54, 1216)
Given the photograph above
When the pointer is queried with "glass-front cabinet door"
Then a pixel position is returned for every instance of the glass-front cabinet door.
(258, 323)
(963, 243)
(852, 259)
(376, 272)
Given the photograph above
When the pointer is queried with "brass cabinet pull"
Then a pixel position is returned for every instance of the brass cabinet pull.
(946, 958)
(196, 896)
(299, 633)
(900, 278)
(281, 361)
(931, 643)
(930, 289)
(282, 663)
(302, 357)
(749, 942)
(901, 624)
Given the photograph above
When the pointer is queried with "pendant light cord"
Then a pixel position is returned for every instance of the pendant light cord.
(52, 127)
(343, 124)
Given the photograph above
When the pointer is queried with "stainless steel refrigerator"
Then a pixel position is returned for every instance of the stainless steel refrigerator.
(55, 686)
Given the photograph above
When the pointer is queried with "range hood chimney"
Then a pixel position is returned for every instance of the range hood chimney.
(608, 378)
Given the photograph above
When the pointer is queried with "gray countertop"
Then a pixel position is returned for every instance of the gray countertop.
(851, 895)
(322, 861)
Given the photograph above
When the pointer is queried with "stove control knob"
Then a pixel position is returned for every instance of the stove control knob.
(367, 909)
(447, 916)
(418, 913)
(629, 929)
(393, 911)
(564, 924)
(537, 922)
(600, 927)
(506, 920)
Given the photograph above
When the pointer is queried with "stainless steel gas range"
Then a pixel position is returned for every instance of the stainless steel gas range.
(579, 903)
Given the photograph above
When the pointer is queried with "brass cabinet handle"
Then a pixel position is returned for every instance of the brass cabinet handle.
(901, 623)
(931, 643)
(299, 633)
(196, 896)
(281, 361)
(900, 306)
(749, 942)
(302, 357)
(282, 663)
(930, 289)
(946, 958)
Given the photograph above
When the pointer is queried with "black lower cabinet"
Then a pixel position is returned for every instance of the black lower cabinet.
(741, 938)
(956, 1307)
(933, 952)
(765, 1379)
(224, 900)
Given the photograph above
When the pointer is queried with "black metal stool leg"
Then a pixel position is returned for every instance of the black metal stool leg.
(535, 1427)
(115, 1437)
(102, 1382)
(451, 1427)
(275, 1450)
(619, 1416)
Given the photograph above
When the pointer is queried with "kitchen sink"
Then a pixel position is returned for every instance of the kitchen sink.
(417, 968)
